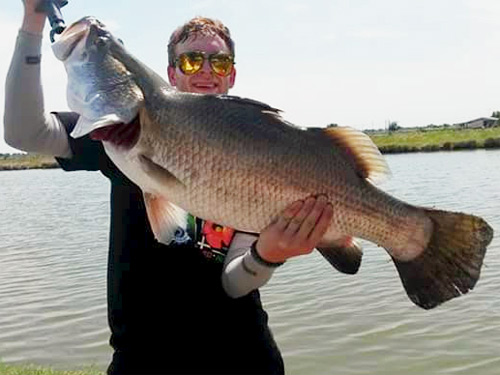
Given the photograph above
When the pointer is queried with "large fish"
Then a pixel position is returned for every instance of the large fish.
(236, 162)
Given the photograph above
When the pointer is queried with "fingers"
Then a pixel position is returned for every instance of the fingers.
(322, 225)
(296, 230)
(297, 221)
(313, 217)
(283, 220)
(311, 221)
(303, 218)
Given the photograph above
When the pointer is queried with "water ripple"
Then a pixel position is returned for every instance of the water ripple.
(53, 281)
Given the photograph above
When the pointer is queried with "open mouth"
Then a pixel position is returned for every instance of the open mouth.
(205, 86)
(72, 35)
(68, 40)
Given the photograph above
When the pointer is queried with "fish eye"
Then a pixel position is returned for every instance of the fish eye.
(101, 42)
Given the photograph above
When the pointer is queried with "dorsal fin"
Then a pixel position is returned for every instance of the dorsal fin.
(362, 152)
(247, 101)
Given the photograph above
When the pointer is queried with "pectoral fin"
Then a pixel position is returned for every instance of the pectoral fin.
(164, 217)
(345, 254)
(160, 174)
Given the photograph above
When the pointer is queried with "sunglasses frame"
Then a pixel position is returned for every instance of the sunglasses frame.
(206, 57)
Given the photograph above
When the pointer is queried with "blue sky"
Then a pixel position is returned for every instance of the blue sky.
(358, 63)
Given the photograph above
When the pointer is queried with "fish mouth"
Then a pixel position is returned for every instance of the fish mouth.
(72, 35)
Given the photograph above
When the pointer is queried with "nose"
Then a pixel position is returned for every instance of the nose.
(205, 68)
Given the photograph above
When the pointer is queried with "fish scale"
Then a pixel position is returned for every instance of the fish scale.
(251, 161)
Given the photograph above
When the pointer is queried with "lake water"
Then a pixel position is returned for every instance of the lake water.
(53, 249)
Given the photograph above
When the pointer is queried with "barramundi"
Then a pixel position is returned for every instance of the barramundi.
(237, 162)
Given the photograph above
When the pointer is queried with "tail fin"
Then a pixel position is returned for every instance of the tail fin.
(451, 263)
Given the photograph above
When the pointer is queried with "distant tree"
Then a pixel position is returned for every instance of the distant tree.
(496, 114)
(393, 126)
(332, 125)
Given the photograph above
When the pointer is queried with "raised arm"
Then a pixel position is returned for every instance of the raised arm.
(26, 124)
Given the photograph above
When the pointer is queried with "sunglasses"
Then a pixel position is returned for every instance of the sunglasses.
(191, 62)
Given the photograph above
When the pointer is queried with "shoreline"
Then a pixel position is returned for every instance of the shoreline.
(388, 142)
(6, 168)
(435, 139)
(31, 369)
(447, 146)
(18, 162)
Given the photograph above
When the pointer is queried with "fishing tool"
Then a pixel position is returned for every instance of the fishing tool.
(53, 10)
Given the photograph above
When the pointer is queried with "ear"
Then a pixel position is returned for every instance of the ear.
(232, 77)
(172, 78)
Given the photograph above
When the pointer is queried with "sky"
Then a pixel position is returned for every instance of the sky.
(358, 63)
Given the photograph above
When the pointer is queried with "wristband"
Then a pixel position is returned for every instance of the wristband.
(256, 256)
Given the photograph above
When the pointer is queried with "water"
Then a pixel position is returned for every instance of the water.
(54, 226)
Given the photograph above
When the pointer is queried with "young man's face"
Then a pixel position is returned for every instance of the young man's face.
(205, 81)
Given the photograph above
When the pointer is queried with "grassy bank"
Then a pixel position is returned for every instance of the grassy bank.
(440, 139)
(35, 370)
(26, 161)
(414, 140)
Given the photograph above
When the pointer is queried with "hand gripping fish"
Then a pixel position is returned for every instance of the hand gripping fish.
(236, 162)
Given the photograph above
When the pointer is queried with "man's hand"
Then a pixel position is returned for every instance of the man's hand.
(296, 230)
(33, 21)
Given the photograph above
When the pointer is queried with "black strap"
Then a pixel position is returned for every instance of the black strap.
(262, 261)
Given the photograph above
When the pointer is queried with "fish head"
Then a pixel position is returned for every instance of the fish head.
(100, 86)
(88, 33)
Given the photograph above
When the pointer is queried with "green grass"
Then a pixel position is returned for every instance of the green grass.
(26, 161)
(425, 139)
(36, 370)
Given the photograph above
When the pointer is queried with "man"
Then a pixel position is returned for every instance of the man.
(192, 306)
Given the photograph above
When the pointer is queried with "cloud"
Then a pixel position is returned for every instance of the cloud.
(377, 34)
(489, 6)
(484, 10)
(112, 24)
(297, 7)
(206, 5)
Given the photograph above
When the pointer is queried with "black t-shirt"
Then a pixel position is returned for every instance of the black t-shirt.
(167, 309)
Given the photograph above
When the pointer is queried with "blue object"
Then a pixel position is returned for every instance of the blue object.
(53, 10)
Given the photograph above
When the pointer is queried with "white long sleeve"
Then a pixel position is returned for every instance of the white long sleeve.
(242, 273)
(26, 124)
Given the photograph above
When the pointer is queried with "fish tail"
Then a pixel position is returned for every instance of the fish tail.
(451, 263)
